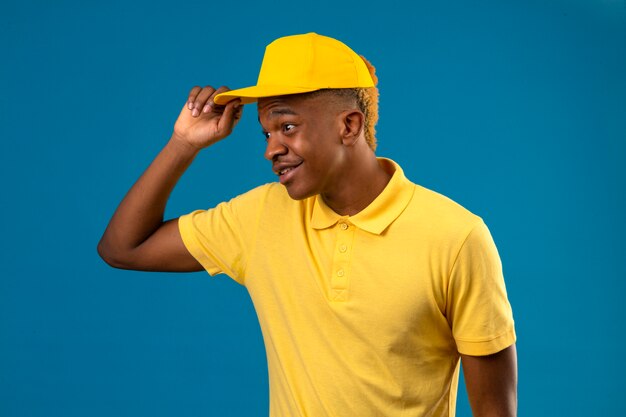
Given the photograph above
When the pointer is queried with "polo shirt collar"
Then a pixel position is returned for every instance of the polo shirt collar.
(381, 212)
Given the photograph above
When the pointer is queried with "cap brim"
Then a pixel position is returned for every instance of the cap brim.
(251, 94)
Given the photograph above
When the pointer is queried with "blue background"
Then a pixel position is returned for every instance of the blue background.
(517, 110)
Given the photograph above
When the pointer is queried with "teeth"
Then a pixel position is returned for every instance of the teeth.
(284, 171)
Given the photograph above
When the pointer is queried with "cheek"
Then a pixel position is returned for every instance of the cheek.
(320, 150)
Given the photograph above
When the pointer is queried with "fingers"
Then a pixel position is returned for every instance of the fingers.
(200, 100)
(232, 114)
(209, 116)
(192, 96)
(210, 103)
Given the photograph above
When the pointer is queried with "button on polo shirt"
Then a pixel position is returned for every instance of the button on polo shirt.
(366, 314)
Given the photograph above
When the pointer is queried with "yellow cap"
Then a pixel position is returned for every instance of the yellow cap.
(303, 63)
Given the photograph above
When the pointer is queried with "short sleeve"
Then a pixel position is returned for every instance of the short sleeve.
(479, 312)
(222, 238)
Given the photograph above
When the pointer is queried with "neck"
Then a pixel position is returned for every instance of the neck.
(365, 179)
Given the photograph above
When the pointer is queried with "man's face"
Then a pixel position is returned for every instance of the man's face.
(303, 142)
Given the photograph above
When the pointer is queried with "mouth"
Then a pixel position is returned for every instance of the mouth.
(285, 174)
(286, 170)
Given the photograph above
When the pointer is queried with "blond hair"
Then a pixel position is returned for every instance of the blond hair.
(367, 100)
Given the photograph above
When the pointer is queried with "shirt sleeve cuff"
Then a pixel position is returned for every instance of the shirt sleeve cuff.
(486, 347)
(193, 245)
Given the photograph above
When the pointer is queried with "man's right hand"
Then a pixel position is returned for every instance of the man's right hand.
(201, 122)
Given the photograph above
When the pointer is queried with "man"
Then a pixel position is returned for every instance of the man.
(368, 288)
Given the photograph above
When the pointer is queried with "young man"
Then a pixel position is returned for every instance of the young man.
(368, 288)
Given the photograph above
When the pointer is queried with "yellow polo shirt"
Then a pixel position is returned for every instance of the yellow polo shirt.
(361, 315)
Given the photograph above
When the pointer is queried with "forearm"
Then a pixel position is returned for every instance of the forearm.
(141, 211)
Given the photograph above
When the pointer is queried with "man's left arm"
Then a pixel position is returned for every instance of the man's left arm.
(491, 383)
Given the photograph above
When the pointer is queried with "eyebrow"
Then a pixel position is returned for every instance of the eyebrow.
(279, 112)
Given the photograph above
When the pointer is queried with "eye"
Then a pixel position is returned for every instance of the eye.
(288, 127)
(265, 134)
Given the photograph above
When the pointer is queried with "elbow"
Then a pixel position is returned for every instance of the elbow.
(110, 256)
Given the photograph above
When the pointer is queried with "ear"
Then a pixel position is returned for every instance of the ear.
(352, 125)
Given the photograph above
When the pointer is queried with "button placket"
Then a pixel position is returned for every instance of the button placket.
(341, 262)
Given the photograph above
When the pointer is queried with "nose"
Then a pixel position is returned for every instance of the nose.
(274, 148)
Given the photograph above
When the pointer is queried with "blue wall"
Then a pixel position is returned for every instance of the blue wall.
(517, 110)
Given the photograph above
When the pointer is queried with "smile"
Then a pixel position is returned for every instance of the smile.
(285, 174)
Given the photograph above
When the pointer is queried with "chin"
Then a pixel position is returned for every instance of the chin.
(298, 194)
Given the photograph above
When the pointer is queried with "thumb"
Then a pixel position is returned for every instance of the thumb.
(227, 120)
